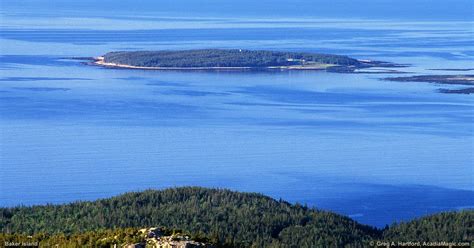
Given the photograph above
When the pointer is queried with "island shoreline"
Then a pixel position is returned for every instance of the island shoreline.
(100, 61)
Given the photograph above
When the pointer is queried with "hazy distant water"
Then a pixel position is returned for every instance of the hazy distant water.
(378, 151)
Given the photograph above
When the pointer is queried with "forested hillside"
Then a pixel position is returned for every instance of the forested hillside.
(449, 226)
(225, 218)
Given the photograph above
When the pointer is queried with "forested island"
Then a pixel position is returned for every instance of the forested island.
(233, 59)
(213, 218)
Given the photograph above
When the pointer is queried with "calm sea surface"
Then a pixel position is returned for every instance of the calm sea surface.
(351, 143)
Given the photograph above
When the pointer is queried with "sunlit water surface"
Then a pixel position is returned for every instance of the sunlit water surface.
(352, 143)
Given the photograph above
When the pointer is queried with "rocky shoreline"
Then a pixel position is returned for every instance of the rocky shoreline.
(465, 80)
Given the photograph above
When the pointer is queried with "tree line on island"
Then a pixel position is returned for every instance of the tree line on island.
(225, 58)
(219, 217)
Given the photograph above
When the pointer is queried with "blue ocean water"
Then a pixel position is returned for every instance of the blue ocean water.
(378, 151)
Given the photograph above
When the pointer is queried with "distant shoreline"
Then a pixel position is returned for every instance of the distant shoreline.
(100, 61)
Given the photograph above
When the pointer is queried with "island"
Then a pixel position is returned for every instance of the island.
(233, 59)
